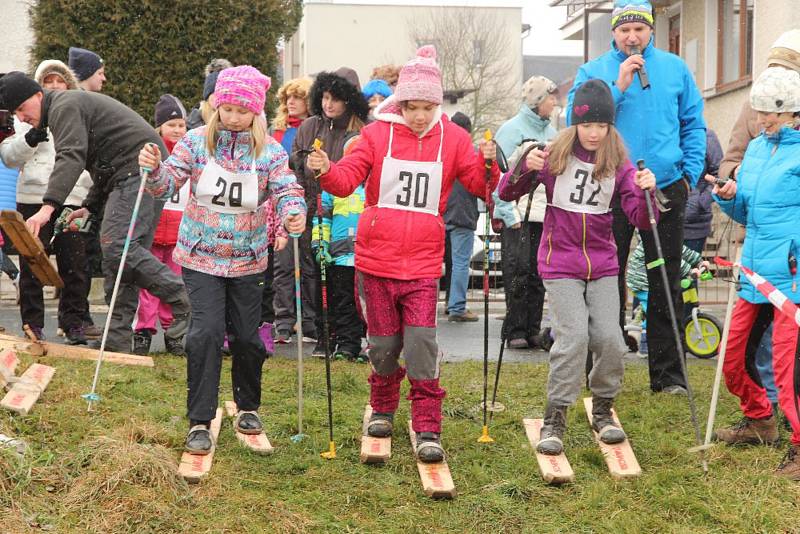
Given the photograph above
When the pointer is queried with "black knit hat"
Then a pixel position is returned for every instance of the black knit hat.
(16, 88)
(168, 107)
(210, 84)
(343, 85)
(593, 103)
(462, 120)
(84, 63)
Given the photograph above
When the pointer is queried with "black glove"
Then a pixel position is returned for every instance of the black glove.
(35, 136)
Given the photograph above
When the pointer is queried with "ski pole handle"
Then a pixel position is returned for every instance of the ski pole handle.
(147, 170)
(487, 136)
(317, 145)
(292, 212)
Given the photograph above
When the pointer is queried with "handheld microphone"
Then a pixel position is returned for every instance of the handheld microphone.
(645, 81)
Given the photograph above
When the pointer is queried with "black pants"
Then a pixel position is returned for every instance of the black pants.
(283, 283)
(71, 260)
(347, 324)
(524, 289)
(665, 367)
(238, 300)
(268, 295)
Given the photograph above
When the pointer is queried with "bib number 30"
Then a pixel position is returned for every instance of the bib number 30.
(415, 189)
(228, 196)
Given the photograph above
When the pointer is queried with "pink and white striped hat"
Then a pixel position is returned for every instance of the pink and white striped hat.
(242, 86)
(420, 78)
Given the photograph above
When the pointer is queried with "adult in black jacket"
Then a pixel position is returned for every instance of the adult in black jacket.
(95, 132)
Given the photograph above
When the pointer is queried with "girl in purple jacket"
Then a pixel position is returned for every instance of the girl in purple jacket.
(584, 169)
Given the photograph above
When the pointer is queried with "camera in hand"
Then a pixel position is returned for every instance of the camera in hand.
(645, 81)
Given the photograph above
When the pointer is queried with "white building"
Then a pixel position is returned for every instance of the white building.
(18, 36)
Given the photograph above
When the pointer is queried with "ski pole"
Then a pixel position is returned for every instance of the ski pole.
(678, 344)
(298, 306)
(323, 277)
(92, 396)
(485, 438)
(497, 371)
(723, 348)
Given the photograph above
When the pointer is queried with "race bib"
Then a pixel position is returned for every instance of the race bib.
(177, 202)
(227, 192)
(411, 185)
(576, 190)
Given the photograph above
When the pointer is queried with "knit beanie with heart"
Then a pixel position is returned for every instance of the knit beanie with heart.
(593, 103)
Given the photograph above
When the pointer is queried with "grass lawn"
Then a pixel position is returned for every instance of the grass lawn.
(113, 470)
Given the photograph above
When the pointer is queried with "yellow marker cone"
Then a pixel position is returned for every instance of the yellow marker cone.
(330, 454)
(485, 438)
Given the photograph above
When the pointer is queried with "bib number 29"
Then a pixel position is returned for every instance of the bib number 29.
(232, 194)
(415, 189)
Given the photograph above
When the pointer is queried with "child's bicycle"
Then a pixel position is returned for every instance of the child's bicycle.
(702, 331)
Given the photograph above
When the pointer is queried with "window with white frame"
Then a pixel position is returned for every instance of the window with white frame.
(734, 41)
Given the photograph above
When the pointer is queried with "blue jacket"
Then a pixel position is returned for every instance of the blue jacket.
(697, 223)
(664, 124)
(526, 124)
(339, 225)
(767, 202)
(8, 187)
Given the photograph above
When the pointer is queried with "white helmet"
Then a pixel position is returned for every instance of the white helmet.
(777, 90)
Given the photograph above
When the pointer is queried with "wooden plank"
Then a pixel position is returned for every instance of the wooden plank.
(373, 450)
(27, 389)
(195, 467)
(620, 459)
(8, 366)
(30, 247)
(436, 479)
(256, 442)
(34, 349)
(555, 468)
(76, 352)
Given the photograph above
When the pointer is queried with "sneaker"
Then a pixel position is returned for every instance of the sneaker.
(172, 345)
(518, 343)
(91, 331)
(284, 337)
(543, 339)
(248, 423)
(553, 430)
(753, 431)
(199, 440)
(75, 336)
(343, 355)
(603, 423)
(141, 342)
(265, 333)
(790, 465)
(380, 425)
(675, 389)
(466, 317)
(429, 447)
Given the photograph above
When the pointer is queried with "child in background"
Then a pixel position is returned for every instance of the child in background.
(234, 169)
(339, 226)
(584, 171)
(376, 91)
(170, 122)
(765, 197)
(292, 111)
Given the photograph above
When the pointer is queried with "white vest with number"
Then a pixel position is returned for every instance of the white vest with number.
(411, 185)
(177, 202)
(576, 190)
(225, 191)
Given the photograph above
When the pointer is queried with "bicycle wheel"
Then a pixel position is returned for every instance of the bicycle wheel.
(703, 344)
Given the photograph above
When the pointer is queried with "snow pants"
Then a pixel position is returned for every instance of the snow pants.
(401, 317)
(748, 324)
(150, 307)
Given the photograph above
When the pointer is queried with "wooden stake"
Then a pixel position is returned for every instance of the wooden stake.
(256, 442)
(27, 388)
(436, 479)
(373, 450)
(621, 461)
(195, 467)
(555, 468)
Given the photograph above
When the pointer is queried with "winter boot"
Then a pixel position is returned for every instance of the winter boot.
(553, 430)
(91, 331)
(284, 337)
(753, 431)
(248, 423)
(603, 423)
(429, 447)
(790, 465)
(265, 333)
(380, 425)
(174, 346)
(141, 342)
(199, 440)
(75, 336)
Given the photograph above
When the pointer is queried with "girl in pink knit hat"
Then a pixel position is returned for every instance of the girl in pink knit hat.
(409, 157)
(234, 170)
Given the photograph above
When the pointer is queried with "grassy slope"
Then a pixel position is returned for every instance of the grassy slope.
(76, 479)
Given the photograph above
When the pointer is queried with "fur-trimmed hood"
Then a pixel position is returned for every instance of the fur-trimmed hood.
(54, 66)
(343, 84)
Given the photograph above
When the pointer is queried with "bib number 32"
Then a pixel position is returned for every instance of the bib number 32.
(584, 182)
(228, 196)
(415, 189)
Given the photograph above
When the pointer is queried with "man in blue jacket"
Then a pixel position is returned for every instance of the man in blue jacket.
(662, 124)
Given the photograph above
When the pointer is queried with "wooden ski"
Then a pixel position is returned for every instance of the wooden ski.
(8, 366)
(436, 480)
(621, 461)
(373, 450)
(72, 352)
(555, 468)
(30, 247)
(26, 389)
(195, 467)
(255, 442)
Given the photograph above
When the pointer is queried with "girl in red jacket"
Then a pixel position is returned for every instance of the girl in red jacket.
(170, 121)
(409, 158)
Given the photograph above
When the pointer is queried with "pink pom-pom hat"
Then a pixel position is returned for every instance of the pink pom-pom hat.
(242, 86)
(420, 78)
